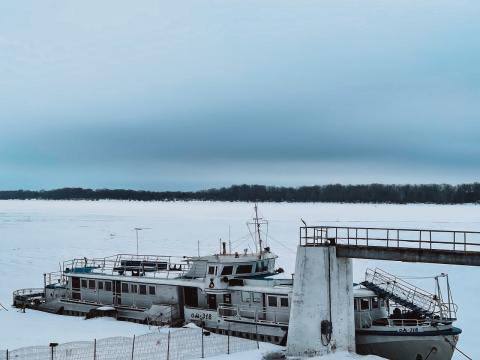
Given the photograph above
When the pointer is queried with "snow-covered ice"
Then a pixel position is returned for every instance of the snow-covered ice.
(35, 236)
(259, 355)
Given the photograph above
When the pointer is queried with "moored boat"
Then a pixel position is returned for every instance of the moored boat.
(397, 320)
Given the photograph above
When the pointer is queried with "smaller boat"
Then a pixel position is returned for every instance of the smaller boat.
(399, 321)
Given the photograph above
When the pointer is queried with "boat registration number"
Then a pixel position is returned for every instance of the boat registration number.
(198, 314)
(409, 330)
(201, 316)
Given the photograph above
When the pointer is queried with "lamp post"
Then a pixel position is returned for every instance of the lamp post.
(52, 346)
(137, 229)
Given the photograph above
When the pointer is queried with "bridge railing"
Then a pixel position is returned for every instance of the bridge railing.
(456, 240)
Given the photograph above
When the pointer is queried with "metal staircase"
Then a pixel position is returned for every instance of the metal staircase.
(390, 287)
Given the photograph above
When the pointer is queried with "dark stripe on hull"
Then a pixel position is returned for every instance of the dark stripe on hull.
(452, 331)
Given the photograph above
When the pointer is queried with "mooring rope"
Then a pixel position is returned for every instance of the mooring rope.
(456, 348)
(280, 243)
(4, 308)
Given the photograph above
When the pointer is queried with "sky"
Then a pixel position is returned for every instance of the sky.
(196, 94)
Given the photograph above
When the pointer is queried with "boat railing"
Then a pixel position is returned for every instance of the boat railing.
(28, 292)
(121, 263)
(255, 315)
(409, 322)
(22, 297)
(54, 278)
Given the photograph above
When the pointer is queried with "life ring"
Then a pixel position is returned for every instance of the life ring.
(211, 285)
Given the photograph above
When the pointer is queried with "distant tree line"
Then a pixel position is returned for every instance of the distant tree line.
(370, 193)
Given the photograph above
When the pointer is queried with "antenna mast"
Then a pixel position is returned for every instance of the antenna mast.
(257, 231)
(137, 229)
(229, 241)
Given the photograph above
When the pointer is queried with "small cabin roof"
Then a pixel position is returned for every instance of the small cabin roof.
(363, 292)
(232, 258)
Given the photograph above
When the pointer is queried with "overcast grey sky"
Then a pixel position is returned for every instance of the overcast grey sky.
(193, 94)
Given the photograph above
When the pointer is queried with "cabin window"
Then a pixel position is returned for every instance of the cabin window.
(108, 286)
(284, 302)
(125, 288)
(84, 283)
(211, 270)
(364, 304)
(212, 301)
(133, 288)
(375, 303)
(245, 296)
(262, 266)
(272, 301)
(227, 270)
(257, 297)
(75, 283)
(227, 298)
(91, 284)
(191, 296)
(100, 285)
(244, 269)
(151, 290)
(355, 304)
(143, 289)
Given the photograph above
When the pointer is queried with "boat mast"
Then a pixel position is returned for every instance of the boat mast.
(257, 231)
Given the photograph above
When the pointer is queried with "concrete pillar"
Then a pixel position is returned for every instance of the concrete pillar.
(312, 303)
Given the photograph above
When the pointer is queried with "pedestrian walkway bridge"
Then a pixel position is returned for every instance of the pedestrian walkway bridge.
(408, 245)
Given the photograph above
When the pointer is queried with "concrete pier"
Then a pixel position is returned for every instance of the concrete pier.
(323, 290)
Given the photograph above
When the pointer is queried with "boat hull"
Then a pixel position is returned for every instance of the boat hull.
(395, 346)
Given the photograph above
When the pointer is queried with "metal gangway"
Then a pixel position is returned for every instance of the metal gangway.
(456, 247)
(418, 300)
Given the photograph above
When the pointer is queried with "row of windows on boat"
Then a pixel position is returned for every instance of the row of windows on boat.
(260, 267)
(246, 296)
(125, 287)
(256, 297)
(368, 303)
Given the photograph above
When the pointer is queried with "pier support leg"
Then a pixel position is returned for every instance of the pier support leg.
(322, 292)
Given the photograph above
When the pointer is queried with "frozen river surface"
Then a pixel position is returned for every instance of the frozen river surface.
(35, 236)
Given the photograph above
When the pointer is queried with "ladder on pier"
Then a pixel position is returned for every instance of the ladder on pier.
(390, 287)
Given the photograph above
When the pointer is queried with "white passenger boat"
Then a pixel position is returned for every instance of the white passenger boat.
(240, 293)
